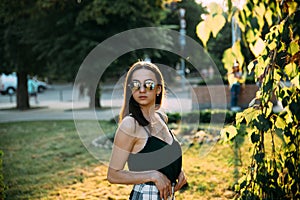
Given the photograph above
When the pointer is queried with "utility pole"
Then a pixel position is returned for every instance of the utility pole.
(182, 44)
(235, 31)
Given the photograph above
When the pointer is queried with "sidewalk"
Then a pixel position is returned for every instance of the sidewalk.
(55, 110)
(68, 110)
(59, 103)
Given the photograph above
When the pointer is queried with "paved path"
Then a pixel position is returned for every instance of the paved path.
(69, 110)
(55, 111)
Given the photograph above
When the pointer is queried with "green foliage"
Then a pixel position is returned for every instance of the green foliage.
(271, 32)
(79, 26)
(203, 116)
(52, 38)
(212, 24)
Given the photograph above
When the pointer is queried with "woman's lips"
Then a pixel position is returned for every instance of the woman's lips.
(142, 97)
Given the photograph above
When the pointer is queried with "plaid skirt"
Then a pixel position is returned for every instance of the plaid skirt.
(144, 192)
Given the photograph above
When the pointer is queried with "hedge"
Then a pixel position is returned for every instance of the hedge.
(203, 116)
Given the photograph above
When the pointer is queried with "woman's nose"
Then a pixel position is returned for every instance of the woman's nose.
(142, 88)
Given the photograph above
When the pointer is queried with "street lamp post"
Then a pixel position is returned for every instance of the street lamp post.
(182, 44)
(235, 31)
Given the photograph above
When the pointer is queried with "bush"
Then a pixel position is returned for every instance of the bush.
(203, 116)
(173, 117)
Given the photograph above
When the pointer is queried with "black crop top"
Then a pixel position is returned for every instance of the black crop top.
(158, 155)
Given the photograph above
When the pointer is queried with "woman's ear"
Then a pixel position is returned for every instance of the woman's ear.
(158, 90)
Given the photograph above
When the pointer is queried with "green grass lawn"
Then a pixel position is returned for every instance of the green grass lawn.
(47, 160)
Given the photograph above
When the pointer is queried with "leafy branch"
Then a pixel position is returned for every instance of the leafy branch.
(271, 32)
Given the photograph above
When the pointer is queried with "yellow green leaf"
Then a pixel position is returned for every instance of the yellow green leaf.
(209, 22)
(203, 32)
(280, 123)
(292, 7)
(290, 69)
(258, 47)
(214, 8)
(296, 81)
(277, 75)
(248, 11)
(260, 11)
(228, 58)
(237, 52)
(228, 133)
(288, 117)
(239, 117)
(219, 22)
(269, 109)
(294, 47)
(241, 20)
(274, 31)
(282, 47)
(250, 66)
(260, 66)
(250, 36)
(268, 17)
(272, 45)
(250, 114)
(280, 27)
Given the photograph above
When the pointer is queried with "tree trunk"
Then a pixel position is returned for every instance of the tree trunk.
(94, 97)
(22, 93)
(98, 97)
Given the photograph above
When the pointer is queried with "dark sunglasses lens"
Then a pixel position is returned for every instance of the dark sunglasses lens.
(135, 85)
(149, 85)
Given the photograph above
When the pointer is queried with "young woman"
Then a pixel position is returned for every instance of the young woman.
(143, 140)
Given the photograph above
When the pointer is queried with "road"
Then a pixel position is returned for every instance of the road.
(62, 102)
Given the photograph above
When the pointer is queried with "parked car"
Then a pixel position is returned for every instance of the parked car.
(8, 84)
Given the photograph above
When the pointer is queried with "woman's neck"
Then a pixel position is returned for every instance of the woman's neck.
(149, 113)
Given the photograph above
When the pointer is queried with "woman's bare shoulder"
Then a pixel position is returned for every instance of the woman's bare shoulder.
(163, 115)
(128, 125)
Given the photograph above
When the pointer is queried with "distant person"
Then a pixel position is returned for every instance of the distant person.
(144, 141)
(81, 91)
(211, 72)
(32, 89)
(234, 79)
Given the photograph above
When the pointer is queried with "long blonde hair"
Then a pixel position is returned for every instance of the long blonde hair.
(130, 106)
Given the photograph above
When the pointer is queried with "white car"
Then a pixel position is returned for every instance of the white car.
(8, 84)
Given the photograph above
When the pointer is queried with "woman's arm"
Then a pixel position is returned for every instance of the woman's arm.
(182, 180)
(123, 144)
(162, 183)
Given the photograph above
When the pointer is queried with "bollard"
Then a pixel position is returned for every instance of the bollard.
(61, 95)
(10, 98)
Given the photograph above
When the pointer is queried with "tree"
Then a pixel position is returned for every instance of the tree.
(109, 18)
(270, 30)
(17, 55)
(53, 37)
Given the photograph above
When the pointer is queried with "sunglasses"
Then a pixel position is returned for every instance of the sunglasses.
(136, 85)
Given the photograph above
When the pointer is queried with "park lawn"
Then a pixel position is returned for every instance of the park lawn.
(47, 160)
